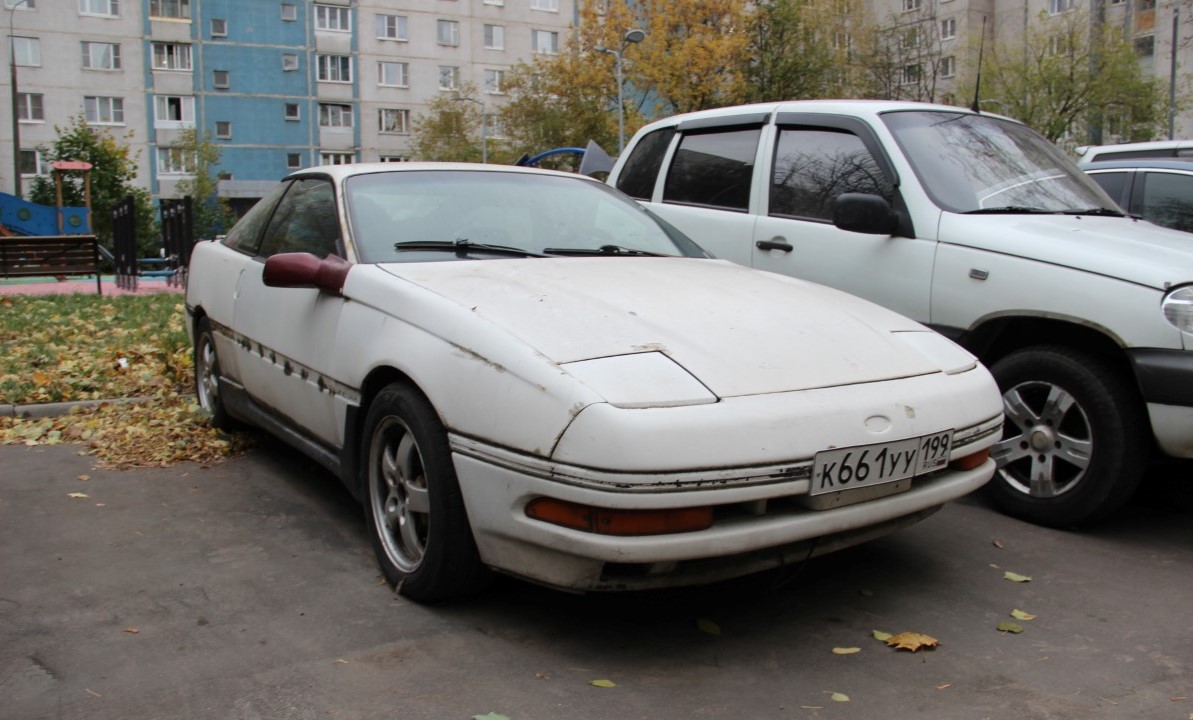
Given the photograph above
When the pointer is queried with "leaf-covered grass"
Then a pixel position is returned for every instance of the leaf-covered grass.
(66, 348)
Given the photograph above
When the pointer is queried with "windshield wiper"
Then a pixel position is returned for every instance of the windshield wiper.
(602, 250)
(1096, 211)
(463, 247)
(1011, 210)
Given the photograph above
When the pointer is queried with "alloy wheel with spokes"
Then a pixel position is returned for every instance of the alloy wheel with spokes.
(398, 494)
(1047, 440)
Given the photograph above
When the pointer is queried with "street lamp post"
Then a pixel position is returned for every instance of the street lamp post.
(484, 127)
(12, 79)
(632, 37)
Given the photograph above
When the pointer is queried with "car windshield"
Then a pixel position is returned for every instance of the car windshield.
(982, 163)
(416, 216)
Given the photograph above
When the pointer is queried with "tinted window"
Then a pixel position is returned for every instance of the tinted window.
(1168, 200)
(245, 236)
(305, 221)
(812, 167)
(1112, 183)
(641, 168)
(713, 169)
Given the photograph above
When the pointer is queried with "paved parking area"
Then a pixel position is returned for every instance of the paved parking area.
(247, 590)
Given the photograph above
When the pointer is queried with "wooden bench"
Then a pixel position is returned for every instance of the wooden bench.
(50, 255)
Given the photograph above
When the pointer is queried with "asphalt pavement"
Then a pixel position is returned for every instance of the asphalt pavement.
(246, 590)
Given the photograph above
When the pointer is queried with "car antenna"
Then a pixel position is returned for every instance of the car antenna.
(977, 86)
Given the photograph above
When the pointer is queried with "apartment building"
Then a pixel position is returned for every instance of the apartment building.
(277, 85)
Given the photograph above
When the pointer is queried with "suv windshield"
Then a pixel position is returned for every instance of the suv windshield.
(977, 162)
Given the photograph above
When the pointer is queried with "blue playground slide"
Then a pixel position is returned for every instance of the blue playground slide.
(25, 218)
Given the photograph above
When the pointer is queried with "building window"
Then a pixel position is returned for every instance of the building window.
(293, 161)
(27, 5)
(223, 129)
(548, 5)
(171, 56)
(27, 51)
(289, 11)
(221, 79)
(1145, 46)
(335, 116)
(292, 112)
(289, 61)
(910, 39)
(449, 77)
(101, 56)
(393, 158)
(29, 107)
(333, 18)
(173, 111)
(334, 68)
(544, 42)
(494, 81)
(495, 2)
(494, 37)
(910, 74)
(170, 8)
(1056, 7)
(391, 27)
(103, 110)
(448, 32)
(948, 28)
(337, 158)
(33, 164)
(948, 66)
(394, 74)
(912, 5)
(106, 8)
(175, 161)
(219, 27)
(394, 121)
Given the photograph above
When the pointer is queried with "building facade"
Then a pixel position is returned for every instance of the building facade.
(276, 85)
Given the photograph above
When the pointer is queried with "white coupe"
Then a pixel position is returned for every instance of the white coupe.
(525, 371)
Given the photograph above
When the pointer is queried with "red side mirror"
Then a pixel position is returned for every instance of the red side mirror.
(304, 270)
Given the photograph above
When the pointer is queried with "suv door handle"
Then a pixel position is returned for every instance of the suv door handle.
(775, 243)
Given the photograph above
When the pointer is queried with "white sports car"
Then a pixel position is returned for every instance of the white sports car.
(525, 371)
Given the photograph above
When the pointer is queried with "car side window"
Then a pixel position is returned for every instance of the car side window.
(813, 166)
(713, 169)
(1113, 183)
(641, 169)
(245, 235)
(305, 221)
(1168, 200)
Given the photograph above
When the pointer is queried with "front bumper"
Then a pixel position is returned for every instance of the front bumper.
(1165, 380)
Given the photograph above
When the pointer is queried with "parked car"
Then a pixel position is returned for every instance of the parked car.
(980, 228)
(1159, 191)
(1156, 150)
(522, 370)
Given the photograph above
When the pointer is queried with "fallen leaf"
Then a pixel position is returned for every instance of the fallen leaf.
(602, 683)
(912, 641)
(1179, 698)
(92, 692)
(542, 676)
(490, 716)
(1010, 627)
(341, 661)
(1016, 577)
(1021, 615)
(840, 697)
(131, 630)
(708, 626)
(998, 544)
(846, 650)
(945, 686)
(84, 478)
(882, 636)
(76, 495)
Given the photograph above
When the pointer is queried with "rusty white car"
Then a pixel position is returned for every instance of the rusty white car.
(523, 371)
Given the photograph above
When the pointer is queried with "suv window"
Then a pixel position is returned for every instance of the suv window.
(1166, 199)
(305, 221)
(641, 168)
(813, 166)
(1113, 183)
(713, 169)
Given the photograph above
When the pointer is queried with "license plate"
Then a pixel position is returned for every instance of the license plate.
(865, 465)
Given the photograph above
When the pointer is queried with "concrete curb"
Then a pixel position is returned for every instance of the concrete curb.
(45, 410)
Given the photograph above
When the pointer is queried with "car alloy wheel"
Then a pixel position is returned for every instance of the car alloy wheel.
(398, 494)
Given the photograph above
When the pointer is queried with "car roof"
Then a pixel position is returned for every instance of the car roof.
(1140, 164)
(1162, 148)
(340, 172)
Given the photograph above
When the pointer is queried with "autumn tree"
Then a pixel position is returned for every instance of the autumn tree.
(802, 49)
(1067, 75)
(210, 214)
(902, 58)
(455, 128)
(113, 169)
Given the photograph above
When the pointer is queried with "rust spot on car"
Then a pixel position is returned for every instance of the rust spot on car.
(465, 352)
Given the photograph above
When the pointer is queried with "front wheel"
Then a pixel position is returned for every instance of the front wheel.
(416, 517)
(207, 377)
(1075, 441)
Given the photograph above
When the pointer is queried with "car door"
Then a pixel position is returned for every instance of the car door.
(816, 158)
(289, 333)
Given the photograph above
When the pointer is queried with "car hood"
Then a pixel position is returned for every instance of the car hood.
(1133, 250)
(737, 331)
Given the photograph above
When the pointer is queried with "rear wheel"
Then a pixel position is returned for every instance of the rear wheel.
(1076, 438)
(417, 522)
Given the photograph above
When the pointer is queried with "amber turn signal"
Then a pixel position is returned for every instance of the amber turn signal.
(969, 462)
(606, 521)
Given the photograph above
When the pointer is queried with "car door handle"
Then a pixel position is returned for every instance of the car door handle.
(775, 243)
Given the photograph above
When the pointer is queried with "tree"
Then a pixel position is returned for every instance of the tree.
(113, 168)
(1068, 75)
(210, 214)
(801, 49)
(454, 130)
(902, 59)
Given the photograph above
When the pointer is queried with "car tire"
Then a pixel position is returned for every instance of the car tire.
(415, 511)
(1075, 442)
(207, 377)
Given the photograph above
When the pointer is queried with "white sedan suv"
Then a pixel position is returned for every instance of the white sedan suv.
(525, 371)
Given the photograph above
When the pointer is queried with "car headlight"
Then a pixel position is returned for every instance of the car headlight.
(1178, 308)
